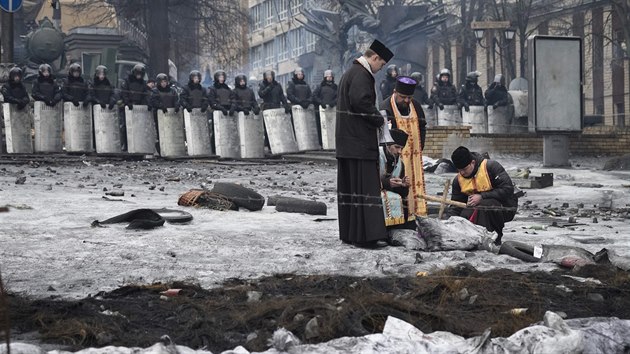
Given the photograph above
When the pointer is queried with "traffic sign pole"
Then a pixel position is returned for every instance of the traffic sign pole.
(6, 37)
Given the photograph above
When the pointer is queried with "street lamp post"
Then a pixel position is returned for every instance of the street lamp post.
(479, 30)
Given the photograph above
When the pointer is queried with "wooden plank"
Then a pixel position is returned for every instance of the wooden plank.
(490, 24)
(447, 184)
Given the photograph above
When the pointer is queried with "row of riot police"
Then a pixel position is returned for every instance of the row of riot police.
(303, 119)
(444, 92)
(487, 112)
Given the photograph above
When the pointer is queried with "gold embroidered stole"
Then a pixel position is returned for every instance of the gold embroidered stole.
(412, 158)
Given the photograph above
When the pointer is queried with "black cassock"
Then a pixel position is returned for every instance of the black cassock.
(361, 218)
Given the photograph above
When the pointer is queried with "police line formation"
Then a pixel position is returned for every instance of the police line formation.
(91, 116)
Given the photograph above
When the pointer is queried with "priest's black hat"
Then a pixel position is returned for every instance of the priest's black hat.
(406, 85)
(382, 51)
(461, 157)
(399, 136)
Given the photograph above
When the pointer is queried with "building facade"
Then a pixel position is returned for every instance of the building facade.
(278, 42)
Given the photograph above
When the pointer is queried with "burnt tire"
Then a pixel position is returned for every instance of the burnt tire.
(519, 250)
(174, 216)
(241, 196)
(294, 205)
(273, 200)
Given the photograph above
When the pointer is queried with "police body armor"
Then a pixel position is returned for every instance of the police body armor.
(223, 97)
(447, 94)
(243, 98)
(47, 88)
(301, 92)
(474, 96)
(138, 92)
(196, 98)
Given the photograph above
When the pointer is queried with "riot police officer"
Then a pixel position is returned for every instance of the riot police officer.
(388, 84)
(243, 97)
(102, 91)
(193, 94)
(497, 94)
(45, 88)
(470, 94)
(420, 94)
(14, 90)
(325, 94)
(298, 91)
(444, 92)
(75, 89)
(134, 89)
(164, 96)
(270, 91)
(220, 94)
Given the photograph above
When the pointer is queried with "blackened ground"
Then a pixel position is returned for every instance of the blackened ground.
(460, 300)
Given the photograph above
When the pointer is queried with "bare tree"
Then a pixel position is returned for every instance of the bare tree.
(456, 30)
(179, 29)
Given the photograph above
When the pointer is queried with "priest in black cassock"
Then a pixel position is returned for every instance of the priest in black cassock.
(361, 220)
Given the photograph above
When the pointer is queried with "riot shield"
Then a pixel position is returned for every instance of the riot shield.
(450, 115)
(106, 130)
(280, 131)
(171, 133)
(77, 124)
(17, 129)
(251, 131)
(328, 119)
(197, 133)
(430, 115)
(476, 118)
(47, 125)
(141, 132)
(226, 140)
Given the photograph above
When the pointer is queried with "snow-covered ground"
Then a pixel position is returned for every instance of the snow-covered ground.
(50, 247)
(47, 246)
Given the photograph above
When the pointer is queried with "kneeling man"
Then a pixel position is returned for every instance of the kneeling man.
(486, 188)
(394, 182)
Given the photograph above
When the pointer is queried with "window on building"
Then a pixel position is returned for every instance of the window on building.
(296, 6)
(282, 46)
(282, 7)
(268, 12)
(310, 41)
(283, 80)
(308, 76)
(269, 53)
(255, 18)
(297, 42)
(256, 56)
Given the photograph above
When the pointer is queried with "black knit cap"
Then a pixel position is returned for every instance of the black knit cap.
(406, 85)
(399, 136)
(461, 157)
(382, 51)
